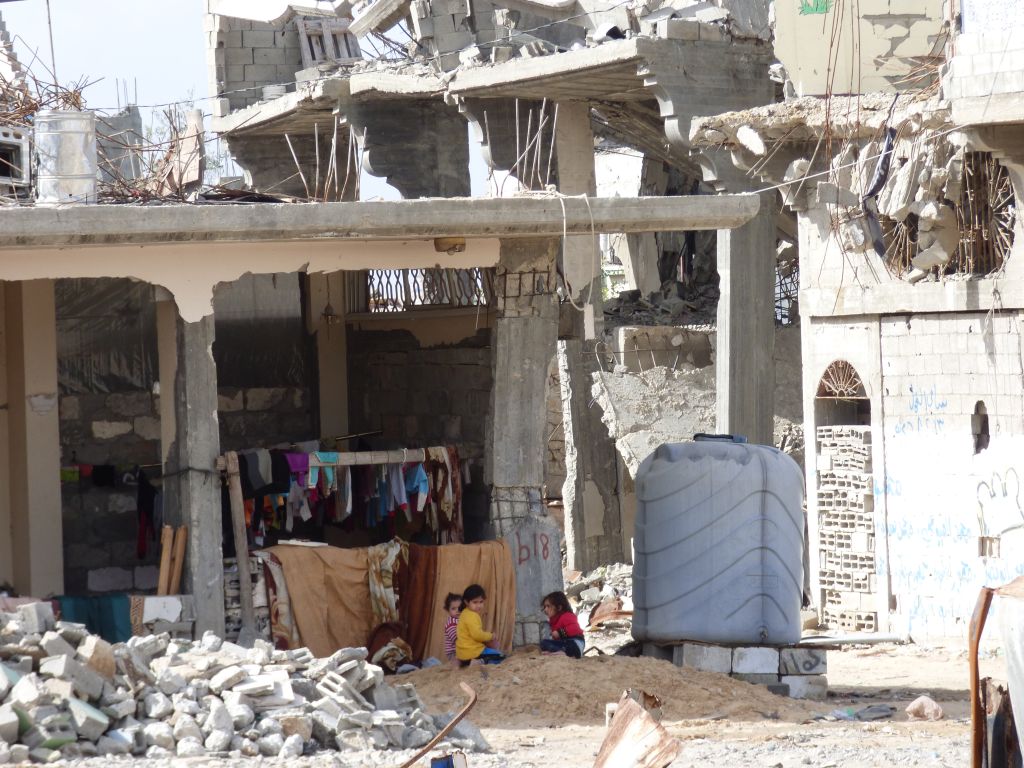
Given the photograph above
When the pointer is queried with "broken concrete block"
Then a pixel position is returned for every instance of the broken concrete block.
(271, 744)
(44, 755)
(190, 747)
(54, 735)
(159, 735)
(706, 658)
(8, 677)
(119, 709)
(218, 741)
(87, 683)
(227, 678)
(158, 706)
(292, 747)
(27, 692)
(110, 745)
(36, 617)
(678, 29)
(249, 748)
(802, 661)
(90, 723)
(261, 685)
(297, 725)
(55, 645)
(186, 727)
(211, 642)
(98, 655)
(241, 715)
(58, 689)
(755, 660)
(9, 724)
(170, 682)
(806, 686)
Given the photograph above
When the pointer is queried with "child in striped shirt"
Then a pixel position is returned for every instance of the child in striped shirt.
(452, 606)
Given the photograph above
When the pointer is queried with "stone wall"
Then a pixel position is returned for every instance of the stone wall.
(260, 417)
(100, 525)
(424, 392)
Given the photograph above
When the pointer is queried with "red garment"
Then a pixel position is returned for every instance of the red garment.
(566, 620)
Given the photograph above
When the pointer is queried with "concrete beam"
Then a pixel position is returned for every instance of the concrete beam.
(406, 219)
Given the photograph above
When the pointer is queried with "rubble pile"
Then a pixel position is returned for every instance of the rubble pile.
(66, 694)
(675, 304)
(603, 601)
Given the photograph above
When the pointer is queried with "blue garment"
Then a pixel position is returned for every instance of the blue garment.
(416, 482)
(327, 457)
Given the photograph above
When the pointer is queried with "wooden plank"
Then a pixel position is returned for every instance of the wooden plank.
(979, 720)
(636, 740)
(241, 544)
(178, 560)
(166, 550)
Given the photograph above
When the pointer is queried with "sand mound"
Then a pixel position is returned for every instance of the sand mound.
(529, 689)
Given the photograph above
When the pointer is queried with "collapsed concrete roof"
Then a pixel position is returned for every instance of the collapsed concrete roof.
(809, 118)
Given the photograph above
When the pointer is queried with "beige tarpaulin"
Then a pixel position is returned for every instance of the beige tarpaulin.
(488, 564)
(330, 595)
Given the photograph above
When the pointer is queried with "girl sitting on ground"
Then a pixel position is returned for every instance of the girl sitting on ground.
(472, 642)
(566, 635)
(452, 606)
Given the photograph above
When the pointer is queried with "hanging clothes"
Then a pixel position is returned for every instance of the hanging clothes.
(325, 457)
(396, 486)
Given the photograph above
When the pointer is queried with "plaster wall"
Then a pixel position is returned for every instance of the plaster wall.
(940, 494)
(837, 47)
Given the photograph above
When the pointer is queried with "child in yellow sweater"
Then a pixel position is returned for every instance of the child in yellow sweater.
(472, 642)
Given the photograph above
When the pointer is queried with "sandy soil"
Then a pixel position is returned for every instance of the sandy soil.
(544, 711)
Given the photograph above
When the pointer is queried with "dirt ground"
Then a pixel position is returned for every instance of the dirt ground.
(549, 711)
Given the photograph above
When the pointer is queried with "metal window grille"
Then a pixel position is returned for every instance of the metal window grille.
(403, 290)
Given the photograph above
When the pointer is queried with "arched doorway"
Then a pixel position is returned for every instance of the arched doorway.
(845, 501)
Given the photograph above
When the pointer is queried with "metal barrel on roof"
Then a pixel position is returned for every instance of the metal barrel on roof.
(66, 164)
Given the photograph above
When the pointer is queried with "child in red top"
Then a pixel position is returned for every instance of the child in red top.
(452, 606)
(566, 635)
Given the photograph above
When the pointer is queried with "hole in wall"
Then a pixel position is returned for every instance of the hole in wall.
(979, 427)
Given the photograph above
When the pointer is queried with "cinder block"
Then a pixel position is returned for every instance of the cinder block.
(679, 29)
(655, 651)
(756, 679)
(802, 661)
(755, 660)
(706, 658)
(36, 618)
(806, 686)
(271, 56)
(261, 73)
(258, 39)
(234, 57)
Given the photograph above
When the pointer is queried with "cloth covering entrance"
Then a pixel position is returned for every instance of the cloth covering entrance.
(488, 564)
(329, 593)
(329, 590)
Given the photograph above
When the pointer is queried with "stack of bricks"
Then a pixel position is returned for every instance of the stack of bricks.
(454, 27)
(846, 528)
(248, 55)
(233, 601)
(797, 672)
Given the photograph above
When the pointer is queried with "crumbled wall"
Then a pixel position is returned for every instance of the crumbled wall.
(644, 409)
(554, 464)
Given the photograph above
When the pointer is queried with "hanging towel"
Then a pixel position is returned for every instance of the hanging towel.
(343, 502)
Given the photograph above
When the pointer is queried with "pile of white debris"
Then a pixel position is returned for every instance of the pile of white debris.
(69, 694)
(603, 601)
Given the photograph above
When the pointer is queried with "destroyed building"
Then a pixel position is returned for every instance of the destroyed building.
(877, 322)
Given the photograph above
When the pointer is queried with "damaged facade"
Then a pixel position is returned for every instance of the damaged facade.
(909, 253)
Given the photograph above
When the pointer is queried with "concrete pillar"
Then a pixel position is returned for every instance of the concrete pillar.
(745, 349)
(524, 339)
(191, 484)
(33, 439)
(6, 540)
(325, 318)
(590, 494)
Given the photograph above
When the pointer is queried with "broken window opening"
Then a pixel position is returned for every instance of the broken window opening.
(402, 290)
(986, 213)
(979, 427)
(787, 289)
